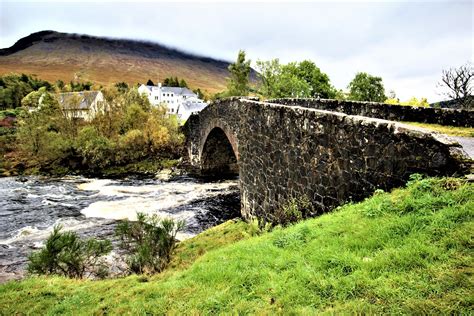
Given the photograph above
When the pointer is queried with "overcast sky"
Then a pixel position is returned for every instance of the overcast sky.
(407, 43)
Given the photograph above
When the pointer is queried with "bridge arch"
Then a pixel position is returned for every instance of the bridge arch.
(218, 152)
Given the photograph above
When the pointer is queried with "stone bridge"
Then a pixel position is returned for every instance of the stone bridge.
(282, 151)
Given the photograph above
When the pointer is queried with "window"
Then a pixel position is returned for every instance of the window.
(167, 94)
(156, 97)
(163, 94)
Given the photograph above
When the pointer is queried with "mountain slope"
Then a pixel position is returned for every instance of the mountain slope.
(52, 55)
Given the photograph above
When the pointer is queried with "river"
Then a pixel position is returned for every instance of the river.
(31, 206)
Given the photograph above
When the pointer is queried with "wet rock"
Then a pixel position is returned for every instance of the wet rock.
(164, 175)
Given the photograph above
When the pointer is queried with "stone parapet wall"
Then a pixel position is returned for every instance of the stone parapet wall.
(449, 117)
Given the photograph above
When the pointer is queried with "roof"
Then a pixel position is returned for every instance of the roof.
(175, 90)
(194, 106)
(178, 91)
(148, 87)
(77, 100)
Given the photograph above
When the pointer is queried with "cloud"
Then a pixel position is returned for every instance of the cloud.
(406, 43)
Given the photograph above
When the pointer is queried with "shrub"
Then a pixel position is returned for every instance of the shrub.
(294, 210)
(66, 254)
(149, 242)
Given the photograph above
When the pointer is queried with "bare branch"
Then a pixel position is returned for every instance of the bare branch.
(458, 83)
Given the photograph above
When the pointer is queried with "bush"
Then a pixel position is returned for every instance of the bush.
(149, 242)
(68, 255)
(294, 210)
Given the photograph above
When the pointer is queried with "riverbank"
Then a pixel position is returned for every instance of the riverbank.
(164, 168)
(408, 251)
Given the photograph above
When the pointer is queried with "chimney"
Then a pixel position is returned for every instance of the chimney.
(159, 84)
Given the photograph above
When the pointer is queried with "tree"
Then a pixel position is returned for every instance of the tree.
(269, 73)
(183, 84)
(238, 83)
(422, 102)
(121, 86)
(14, 87)
(458, 83)
(59, 84)
(281, 81)
(294, 80)
(31, 100)
(365, 87)
(317, 80)
(150, 83)
(175, 82)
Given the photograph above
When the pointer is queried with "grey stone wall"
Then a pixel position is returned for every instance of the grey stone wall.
(451, 117)
(329, 157)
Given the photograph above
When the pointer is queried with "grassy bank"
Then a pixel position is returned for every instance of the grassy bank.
(409, 251)
(448, 130)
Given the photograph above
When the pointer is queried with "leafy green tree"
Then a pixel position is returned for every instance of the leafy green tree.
(199, 93)
(96, 150)
(269, 73)
(183, 84)
(14, 87)
(365, 87)
(149, 242)
(31, 100)
(302, 79)
(60, 85)
(290, 85)
(39, 136)
(238, 82)
(317, 80)
(125, 129)
(66, 254)
(135, 117)
(121, 86)
(281, 81)
(80, 86)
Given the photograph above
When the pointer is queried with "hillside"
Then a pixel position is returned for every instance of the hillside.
(404, 252)
(52, 55)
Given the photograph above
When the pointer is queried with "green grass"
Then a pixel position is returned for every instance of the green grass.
(448, 130)
(405, 252)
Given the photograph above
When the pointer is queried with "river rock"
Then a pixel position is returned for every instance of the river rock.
(164, 175)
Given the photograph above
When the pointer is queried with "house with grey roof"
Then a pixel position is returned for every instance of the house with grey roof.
(179, 101)
(81, 105)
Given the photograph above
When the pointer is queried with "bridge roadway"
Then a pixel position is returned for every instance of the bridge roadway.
(467, 144)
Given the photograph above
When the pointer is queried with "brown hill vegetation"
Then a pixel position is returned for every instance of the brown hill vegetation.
(52, 55)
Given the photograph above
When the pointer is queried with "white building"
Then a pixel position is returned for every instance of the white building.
(179, 101)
